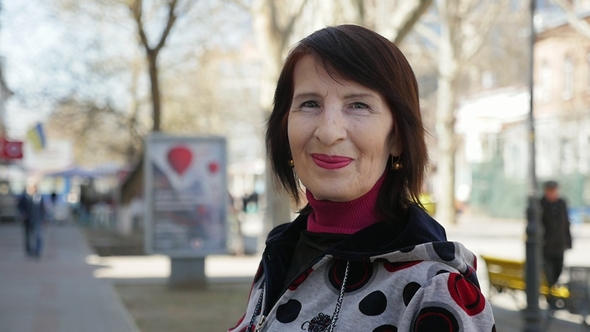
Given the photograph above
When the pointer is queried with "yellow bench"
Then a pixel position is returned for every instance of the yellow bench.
(507, 274)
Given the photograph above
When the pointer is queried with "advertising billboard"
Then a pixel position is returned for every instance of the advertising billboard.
(185, 195)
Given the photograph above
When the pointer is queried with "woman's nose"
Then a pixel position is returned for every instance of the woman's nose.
(331, 126)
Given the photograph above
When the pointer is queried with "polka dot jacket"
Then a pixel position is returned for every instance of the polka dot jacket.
(373, 281)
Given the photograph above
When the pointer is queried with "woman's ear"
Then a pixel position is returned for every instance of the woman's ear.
(396, 149)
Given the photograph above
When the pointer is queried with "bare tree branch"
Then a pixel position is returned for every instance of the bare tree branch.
(136, 9)
(171, 19)
(575, 22)
(152, 53)
(473, 39)
(411, 18)
(274, 24)
(289, 27)
(281, 34)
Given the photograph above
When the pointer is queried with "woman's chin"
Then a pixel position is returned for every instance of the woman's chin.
(340, 194)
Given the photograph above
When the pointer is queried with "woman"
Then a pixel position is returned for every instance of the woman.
(362, 255)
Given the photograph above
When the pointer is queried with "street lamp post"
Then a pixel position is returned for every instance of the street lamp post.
(532, 313)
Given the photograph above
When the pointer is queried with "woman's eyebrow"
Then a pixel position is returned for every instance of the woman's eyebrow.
(360, 95)
(305, 95)
(313, 95)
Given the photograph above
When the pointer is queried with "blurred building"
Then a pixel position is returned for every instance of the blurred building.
(562, 108)
(493, 157)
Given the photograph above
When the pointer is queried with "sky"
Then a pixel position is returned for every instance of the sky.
(49, 56)
(28, 34)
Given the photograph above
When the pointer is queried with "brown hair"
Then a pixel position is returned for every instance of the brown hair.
(363, 56)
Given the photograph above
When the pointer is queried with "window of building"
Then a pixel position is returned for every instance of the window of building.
(568, 156)
(568, 78)
(544, 91)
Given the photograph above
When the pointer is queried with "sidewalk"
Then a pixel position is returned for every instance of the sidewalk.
(56, 293)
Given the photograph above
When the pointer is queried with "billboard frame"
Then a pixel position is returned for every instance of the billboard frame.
(149, 193)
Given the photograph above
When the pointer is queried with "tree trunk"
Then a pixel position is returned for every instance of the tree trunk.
(446, 149)
(278, 209)
(155, 86)
(448, 69)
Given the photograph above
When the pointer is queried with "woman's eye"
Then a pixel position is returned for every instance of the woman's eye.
(360, 105)
(310, 104)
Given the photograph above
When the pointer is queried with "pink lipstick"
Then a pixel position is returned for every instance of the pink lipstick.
(330, 162)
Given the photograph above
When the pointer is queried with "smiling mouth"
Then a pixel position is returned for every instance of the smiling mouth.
(330, 162)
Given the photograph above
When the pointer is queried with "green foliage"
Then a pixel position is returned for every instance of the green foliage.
(494, 194)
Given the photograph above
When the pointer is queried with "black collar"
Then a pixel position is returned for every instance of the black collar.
(380, 238)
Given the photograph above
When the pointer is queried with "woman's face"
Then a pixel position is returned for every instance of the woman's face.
(340, 134)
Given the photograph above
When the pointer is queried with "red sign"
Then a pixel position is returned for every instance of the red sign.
(11, 149)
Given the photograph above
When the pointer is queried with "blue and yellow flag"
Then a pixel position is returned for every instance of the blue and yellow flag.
(36, 137)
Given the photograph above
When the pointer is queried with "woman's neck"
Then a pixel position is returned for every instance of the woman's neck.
(345, 217)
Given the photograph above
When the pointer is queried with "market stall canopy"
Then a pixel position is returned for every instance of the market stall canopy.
(75, 172)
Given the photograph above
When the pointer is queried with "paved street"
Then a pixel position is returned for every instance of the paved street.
(56, 293)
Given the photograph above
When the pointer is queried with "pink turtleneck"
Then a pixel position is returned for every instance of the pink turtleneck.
(345, 217)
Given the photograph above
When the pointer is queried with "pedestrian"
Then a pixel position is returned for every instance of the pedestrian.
(362, 255)
(51, 209)
(556, 236)
(32, 211)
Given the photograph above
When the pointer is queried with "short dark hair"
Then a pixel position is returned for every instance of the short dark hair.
(551, 184)
(363, 56)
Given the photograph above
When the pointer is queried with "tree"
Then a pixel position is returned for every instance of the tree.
(151, 24)
(133, 185)
(146, 15)
(393, 19)
(463, 28)
(152, 52)
(102, 132)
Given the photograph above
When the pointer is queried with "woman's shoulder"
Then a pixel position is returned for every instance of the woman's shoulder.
(436, 257)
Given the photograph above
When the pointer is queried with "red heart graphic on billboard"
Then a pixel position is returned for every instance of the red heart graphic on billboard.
(180, 158)
(213, 167)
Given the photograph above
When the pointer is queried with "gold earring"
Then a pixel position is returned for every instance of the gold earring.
(291, 163)
(396, 165)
